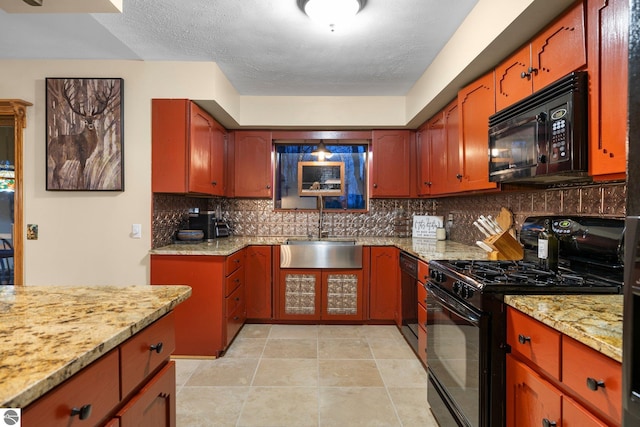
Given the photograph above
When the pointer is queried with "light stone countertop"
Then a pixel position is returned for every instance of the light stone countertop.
(425, 249)
(594, 320)
(49, 333)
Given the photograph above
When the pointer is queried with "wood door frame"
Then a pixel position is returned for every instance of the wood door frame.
(18, 109)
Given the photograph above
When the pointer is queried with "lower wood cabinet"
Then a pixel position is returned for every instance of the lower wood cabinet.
(258, 283)
(132, 385)
(384, 282)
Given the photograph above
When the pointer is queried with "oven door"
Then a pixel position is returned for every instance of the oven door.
(457, 360)
(518, 148)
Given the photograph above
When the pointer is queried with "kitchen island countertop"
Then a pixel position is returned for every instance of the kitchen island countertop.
(49, 333)
(594, 320)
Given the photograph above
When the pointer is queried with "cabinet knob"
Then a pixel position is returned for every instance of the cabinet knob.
(83, 412)
(548, 423)
(156, 347)
(529, 73)
(542, 158)
(523, 339)
(593, 384)
(268, 186)
(459, 176)
(214, 182)
(237, 298)
(375, 185)
(428, 183)
(236, 318)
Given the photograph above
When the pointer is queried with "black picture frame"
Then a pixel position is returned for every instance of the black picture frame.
(85, 138)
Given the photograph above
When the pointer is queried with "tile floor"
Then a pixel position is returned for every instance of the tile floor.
(306, 375)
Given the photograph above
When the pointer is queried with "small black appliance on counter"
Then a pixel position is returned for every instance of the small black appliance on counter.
(207, 221)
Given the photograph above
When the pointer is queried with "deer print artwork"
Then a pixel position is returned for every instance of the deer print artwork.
(84, 134)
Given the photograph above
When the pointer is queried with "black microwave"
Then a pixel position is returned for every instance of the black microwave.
(542, 138)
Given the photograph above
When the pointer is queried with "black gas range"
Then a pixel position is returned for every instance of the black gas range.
(466, 325)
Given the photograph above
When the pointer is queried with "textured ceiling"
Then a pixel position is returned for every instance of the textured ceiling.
(264, 47)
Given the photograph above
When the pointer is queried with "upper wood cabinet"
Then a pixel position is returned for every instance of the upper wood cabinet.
(251, 165)
(390, 166)
(553, 53)
(423, 144)
(188, 149)
(444, 141)
(476, 102)
(608, 23)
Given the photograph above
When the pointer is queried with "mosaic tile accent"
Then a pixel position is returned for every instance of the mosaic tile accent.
(342, 294)
(300, 294)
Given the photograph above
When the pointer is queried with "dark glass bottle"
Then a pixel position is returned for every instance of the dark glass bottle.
(548, 248)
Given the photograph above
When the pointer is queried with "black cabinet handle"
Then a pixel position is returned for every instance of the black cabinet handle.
(236, 318)
(522, 339)
(548, 423)
(428, 183)
(375, 185)
(156, 347)
(237, 298)
(594, 384)
(529, 73)
(268, 187)
(459, 176)
(214, 182)
(83, 412)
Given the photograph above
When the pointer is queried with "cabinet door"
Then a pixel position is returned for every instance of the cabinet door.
(574, 415)
(218, 160)
(300, 294)
(342, 295)
(530, 399)
(513, 79)
(560, 48)
(608, 23)
(424, 158)
(155, 404)
(252, 164)
(258, 282)
(476, 102)
(169, 135)
(199, 171)
(438, 159)
(384, 283)
(453, 176)
(198, 320)
(390, 170)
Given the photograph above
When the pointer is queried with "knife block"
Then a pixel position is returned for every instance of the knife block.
(505, 247)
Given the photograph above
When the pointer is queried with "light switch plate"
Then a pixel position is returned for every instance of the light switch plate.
(136, 231)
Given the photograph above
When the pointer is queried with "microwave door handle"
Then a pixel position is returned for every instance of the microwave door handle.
(451, 304)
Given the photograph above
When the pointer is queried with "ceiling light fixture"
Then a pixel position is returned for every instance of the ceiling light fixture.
(322, 151)
(331, 12)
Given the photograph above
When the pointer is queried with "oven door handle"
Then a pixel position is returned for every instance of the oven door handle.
(449, 302)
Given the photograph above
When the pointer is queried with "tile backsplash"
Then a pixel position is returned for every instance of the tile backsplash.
(389, 217)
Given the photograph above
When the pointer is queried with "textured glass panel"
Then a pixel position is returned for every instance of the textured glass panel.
(342, 294)
(300, 294)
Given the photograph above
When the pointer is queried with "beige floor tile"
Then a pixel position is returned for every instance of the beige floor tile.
(340, 331)
(254, 331)
(184, 370)
(402, 372)
(354, 406)
(247, 348)
(294, 331)
(225, 371)
(344, 348)
(280, 406)
(389, 348)
(291, 348)
(382, 331)
(412, 407)
(287, 372)
(209, 406)
(349, 373)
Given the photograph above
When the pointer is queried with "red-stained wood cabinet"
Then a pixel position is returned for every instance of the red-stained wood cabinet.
(556, 51)
(250, 164)
(258, 282)
(188, 149)
(384, 283)
(445, 145)
(390, 167)
(423, 147)
(608, 23)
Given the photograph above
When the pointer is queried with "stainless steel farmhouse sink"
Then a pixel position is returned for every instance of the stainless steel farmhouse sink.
(320, 254)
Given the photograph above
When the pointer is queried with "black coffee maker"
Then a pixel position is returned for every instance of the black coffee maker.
(208, 222)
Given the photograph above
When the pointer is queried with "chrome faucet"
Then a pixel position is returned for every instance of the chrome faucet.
(321, 233)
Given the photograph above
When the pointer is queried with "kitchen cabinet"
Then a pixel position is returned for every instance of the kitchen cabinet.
(384, 284)
(554, 377)
(608, 23)
(258, 283)
(250, 162)
(132, 385)
(476, 102)
(188, 149)
(208, 321)
(424, 136)
(327, 294)
(555, 52)
(390, 166)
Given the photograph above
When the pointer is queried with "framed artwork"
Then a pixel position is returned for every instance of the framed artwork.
(85, 134)
(320, 178)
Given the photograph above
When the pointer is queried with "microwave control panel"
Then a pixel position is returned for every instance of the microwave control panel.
(559, 131)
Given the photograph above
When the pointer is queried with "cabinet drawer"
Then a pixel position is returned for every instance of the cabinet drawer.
(234, 262)
(422, 295)
(575, 415)
(232, 282)
(235, 300)
(422, 316)
(583, 367)
(138, 359)
(95, 389)
(534, 341)
(423, 271)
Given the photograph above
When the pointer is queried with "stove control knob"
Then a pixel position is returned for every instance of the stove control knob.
(456, 288)
(469, 293)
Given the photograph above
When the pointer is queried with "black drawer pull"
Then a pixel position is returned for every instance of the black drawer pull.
(593, 384)
(156, 347)
(548, 423)
(83, 413)
(523, 339)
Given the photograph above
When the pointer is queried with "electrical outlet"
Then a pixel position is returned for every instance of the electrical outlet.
(136, 231)
(450, 217)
